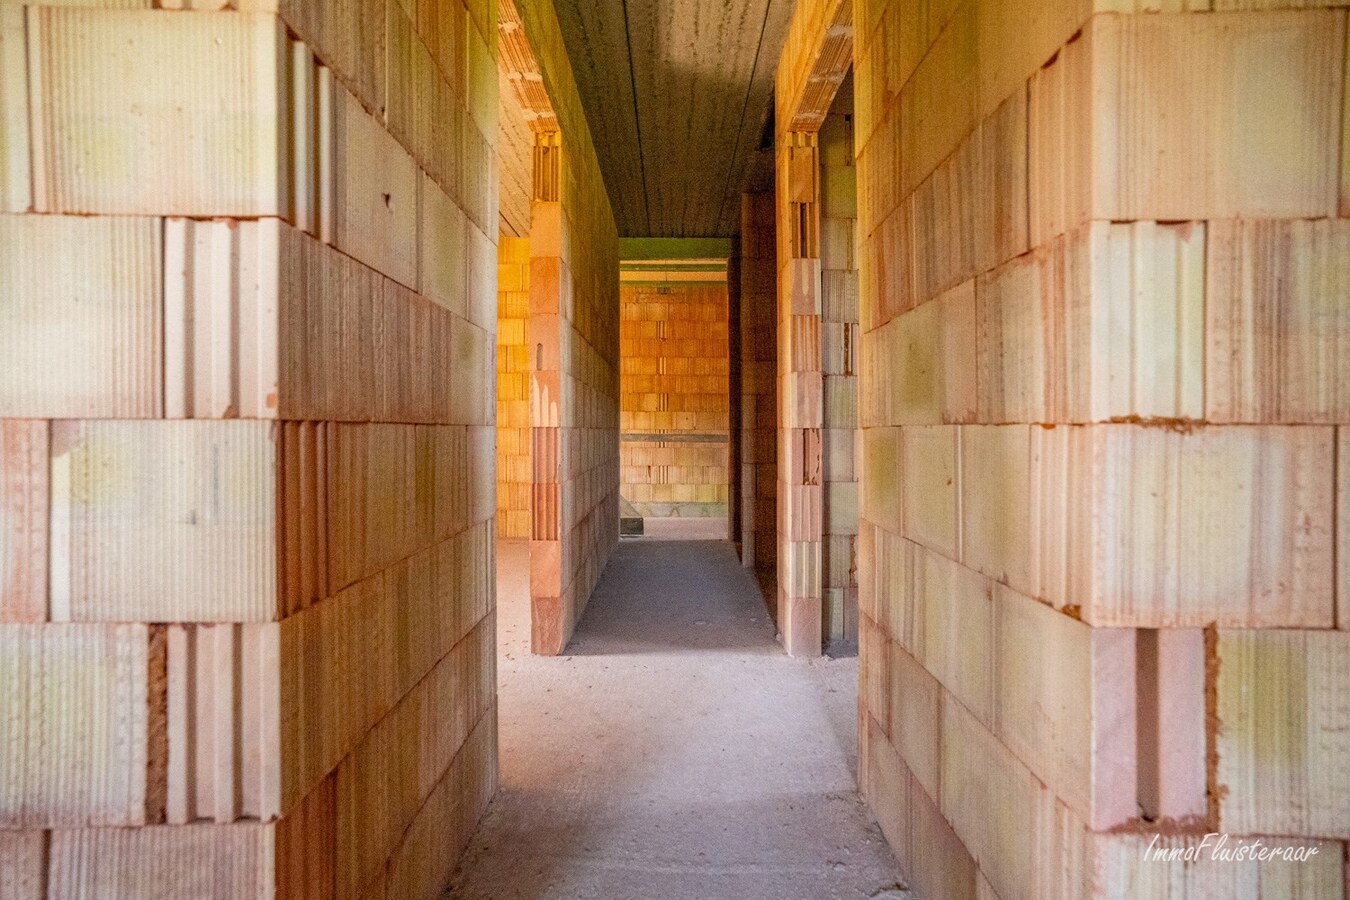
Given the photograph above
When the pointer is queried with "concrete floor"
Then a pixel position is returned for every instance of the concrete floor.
(675, 752)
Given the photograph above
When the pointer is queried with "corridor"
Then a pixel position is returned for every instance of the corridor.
(674, 750)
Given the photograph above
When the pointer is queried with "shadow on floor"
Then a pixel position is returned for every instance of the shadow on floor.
(670, 596)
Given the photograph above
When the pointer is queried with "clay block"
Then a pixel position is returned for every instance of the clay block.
(1104, 323)
(426, 857)
(979, 193)
(137, 112)
(1145, 291)
(922, 363)
(264, 321)
(1170, 699)
(875, 687)
(1015, 42)
(995, 499)
(938, 104)
(223, 715)
(1343, 528)
(443, 258)
(884, 782)
(400, 625)
(24, 871)
(895, 573)
(1026, 843)
(347, 35)
(303, 492)
(77, 714)
(161, 863)
(90, 286)
(1015, 341)
(1283, 743)
(933, 858)
(471, 352)
(1278, 322)
(1229, 525)
(306, 846)
(396, 490)
(1065, 704)
(915, 716)
(163, 521)
(222, 314)
(374, 193)
(930, 463)
(840, 454)
(483, 80)
(953, 629)
(938, 864)
(1226, 83)
(882, 477)
(377, 797)
(24, 500)
(16, 177)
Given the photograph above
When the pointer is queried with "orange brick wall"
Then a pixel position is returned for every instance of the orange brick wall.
(573, 328)
(759, 389)
(674, 382)
(839, 366)
(246, 428)
(1103, 294)
(513, 388)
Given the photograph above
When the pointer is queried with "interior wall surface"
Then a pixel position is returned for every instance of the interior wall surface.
(1104, 303)
(574, 332)
(759, 391)
(675, 412)
(514, 484)
(247, 311)
(814, 62)
(839, 334)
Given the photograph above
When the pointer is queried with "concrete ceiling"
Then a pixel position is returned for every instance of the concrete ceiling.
(676, 93)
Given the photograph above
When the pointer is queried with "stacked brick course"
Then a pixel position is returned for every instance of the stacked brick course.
(246, 494)
(1103, 290)
(675, 361)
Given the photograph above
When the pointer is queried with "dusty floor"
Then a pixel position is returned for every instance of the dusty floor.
(675, 752)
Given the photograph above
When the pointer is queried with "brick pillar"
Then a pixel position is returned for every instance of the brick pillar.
(800, 388)
(734, 392)
(839, 359)
(544, 335)
(759, 389)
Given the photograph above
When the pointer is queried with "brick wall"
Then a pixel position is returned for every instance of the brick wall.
(759, 408)
(574, 328)
(1102, 296)
(246, 499)
(675, 407)
(513, 388)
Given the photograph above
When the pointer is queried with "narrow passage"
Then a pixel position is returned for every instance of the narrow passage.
(675, 751)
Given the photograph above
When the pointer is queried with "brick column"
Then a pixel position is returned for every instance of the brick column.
(544, 336)
(800, 387)
(759, 387)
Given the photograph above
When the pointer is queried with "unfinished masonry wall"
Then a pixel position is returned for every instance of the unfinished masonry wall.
(839, 369)
(675, 406)
(814, 335)
(246, 499)
(1105, 309)
(573, 333)
(759, 390)
(513, 388)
